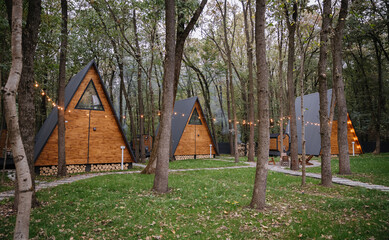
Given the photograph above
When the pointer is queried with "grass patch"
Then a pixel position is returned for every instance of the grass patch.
(205, 205)
(368, 168)
(7, 184)
(203, 163)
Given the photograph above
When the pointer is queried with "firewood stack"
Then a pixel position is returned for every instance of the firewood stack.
(107, 167)
(52, 170)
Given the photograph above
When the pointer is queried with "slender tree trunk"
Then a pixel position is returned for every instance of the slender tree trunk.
(303, 163)
(249, 44)
(152, 111)
(259, 193)
(27, 117)
(231, 83)
(291, 88)
(344, 159)
(380, 103)
(140, 93)
(326, 175)
(230, 134)
(281, 86)
(19, 155)
(163, 148)
(62, 171)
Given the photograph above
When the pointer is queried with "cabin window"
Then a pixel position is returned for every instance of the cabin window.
(90, 100)
(195, 118)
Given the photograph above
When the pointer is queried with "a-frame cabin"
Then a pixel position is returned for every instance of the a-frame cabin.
(93, 135)
(312, 127)
(191, 138)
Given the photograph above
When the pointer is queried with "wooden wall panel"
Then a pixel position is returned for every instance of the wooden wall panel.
(196, 138)
(105, 142)
(351, 137)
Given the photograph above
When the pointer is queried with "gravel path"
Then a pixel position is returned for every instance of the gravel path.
(275, 168)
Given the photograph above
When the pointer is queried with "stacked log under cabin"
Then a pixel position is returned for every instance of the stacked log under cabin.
(93, 134)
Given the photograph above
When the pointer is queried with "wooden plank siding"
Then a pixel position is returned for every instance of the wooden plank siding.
(195, 139)
(275, 144)
(104, 143)
(351, 137)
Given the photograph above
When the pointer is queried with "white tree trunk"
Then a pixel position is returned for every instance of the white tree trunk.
(22, 170)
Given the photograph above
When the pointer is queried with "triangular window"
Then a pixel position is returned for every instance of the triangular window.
(195, 118)
(90, 100)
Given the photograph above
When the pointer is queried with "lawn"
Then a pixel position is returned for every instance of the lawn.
(203, 163)
(205, 205)
(368, 168)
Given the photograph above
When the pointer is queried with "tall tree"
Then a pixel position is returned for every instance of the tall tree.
(259, 193)
(62, 171)
(291, 23)
(27, 119)
(249, 43)
(140, 91)
(229, 76)
(20, 159)
(182, 35)
(163, 145)
(337, 44)
(326, 175)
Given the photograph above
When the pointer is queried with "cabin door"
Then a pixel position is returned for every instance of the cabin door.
(196, 123)
(91, 102)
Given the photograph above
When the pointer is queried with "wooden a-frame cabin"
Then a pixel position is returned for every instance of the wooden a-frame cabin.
(93, 135)
(312, 128)
(191, 138)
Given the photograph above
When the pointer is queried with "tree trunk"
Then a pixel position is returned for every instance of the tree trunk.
(19, 155)
(326, 175)
(62, 171)
(230, 135)
(344, 159)
(231, 83)
(140, 93)
(281, 87)
(163, 148)
(380, 103)
(27, 118)
(249, 44)
(259, 193)
(303, 163)
(291, 88)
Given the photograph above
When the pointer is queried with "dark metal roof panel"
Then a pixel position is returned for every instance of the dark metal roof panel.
(178, 121)
(311, 115)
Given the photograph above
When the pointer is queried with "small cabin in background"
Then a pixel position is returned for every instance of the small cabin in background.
(275, 144)
(312, 127)
(191, 137)
(93, 137)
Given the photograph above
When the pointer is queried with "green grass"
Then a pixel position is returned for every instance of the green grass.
(7, 184)
(203, 163)
(366, 168)
(205, 205)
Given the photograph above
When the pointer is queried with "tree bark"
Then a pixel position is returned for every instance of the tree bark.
(163, 148)
(27, 117)
(344, 159)
(259, 193)
(380, 103)
(231, 83)
(19, 155)
(281, 87)
(291, 88)
(62, 171)
(326, 175)
(249, 44)
(140, 92)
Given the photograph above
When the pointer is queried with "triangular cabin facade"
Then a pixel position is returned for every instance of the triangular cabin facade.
(191, 137)
(93, 137)
(312, 127)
